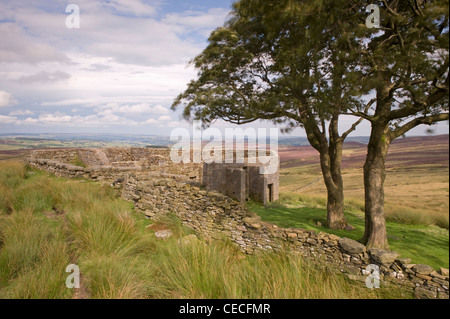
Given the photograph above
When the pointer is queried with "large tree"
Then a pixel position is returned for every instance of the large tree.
(288, 61)
(406, 67)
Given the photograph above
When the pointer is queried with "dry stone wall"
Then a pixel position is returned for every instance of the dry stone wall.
(215, 216)
(161, 188)
(111, 164)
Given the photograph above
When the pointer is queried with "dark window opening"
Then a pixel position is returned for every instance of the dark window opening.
(270, 190)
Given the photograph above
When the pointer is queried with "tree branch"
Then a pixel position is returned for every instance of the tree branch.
(427, 120)
(355, 125)
(418, 105)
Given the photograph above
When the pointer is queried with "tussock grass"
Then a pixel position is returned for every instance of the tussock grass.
(22, 236)
(412, 216)
(102, 232)
(53, 222)
(112, 277)
(217, 271)
(33, 257)
(12, 174)
(5, 200)
(46, 279)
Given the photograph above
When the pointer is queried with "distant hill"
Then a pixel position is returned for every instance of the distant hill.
(415, 150)
(302, 141)
(28, 141)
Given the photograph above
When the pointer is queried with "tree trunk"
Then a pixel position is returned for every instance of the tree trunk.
(330, 163)
(375, 234)
(335, 210)
(331, 171)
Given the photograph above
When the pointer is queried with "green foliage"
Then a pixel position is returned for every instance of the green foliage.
(278, 60)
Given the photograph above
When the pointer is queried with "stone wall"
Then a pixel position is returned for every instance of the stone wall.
(158, 187)
(63, 156)
(214, 216)
(241, 181)
(111, 163)
(97, 173)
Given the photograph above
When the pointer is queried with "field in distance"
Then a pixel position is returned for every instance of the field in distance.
(417, 174)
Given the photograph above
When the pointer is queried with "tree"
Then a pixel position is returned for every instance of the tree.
(289, 61)
(406, 65)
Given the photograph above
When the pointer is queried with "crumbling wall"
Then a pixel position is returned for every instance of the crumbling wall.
(63, 156)
(96, 173)
(110, 163)
(215, 216)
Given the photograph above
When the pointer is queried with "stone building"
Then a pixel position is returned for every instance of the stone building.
(238, 181)
(241, 182)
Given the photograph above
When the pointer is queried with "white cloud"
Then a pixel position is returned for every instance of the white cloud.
(159, 123)
(136, 109)
(151, 121)
(142, 109)
(159, 109)
(164, 118)
(6, 99)
(95, 101)
(125, 30)
(135, 7)
(44, 77)
(197, 19)
(59, 119)
(7, 119)
(17, 46)
(21, 112)
(123, 67)
(176, 124)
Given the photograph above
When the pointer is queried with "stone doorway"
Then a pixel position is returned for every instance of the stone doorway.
(270, 192)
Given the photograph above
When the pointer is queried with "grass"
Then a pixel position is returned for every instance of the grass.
(47, 223)
(219, 271)
(33, 257)
(422, 243)
(416, 195)
(78, 162)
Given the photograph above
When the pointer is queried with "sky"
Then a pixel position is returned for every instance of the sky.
(119, 72)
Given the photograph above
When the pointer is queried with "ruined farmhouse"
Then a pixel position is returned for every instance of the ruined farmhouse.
(241, 181)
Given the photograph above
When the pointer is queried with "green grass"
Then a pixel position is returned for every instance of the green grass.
(423, 244)
(48, 223)
(414, 194)
(78, 162)
(33, 257)
(219, 271)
